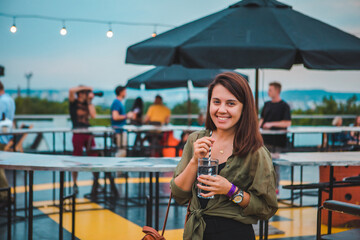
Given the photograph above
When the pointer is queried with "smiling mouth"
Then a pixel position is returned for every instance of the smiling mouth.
(222, 118)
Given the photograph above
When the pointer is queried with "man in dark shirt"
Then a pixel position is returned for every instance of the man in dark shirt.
(275, 116)
(81, 110)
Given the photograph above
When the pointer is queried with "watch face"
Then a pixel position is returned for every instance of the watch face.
(238, 199)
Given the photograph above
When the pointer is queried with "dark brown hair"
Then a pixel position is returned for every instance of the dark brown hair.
(1, 86)
(276, 85)
(247, 136)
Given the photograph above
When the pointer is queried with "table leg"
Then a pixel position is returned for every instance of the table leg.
(14, 183)
(105, 145)
(157, 201)
(31, 197)
(73, 217)
(61, 205)
(301, 182)
(151, 195)
(266, 229)
(26, 193)
(126, 188)
(292, 183)
(53, 136)
(9, 214)
(331, 181)
(14, 177)
(53, 191)
(318, 228)
(64, 142)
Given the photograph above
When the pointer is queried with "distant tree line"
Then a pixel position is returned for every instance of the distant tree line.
(329, 106)
(34, 105)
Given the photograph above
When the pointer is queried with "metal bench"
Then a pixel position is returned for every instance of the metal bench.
(342, 207)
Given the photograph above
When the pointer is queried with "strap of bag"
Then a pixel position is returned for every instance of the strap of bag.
(166, 216)
(167, 213)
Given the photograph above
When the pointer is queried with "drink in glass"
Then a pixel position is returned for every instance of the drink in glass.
(206, 166)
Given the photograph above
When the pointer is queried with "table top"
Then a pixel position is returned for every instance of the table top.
(163, 128)
(26, 161)
(94, 129)
(318, 159)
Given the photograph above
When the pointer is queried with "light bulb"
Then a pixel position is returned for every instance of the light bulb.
(13, 29)
(109, 34)
(154, 34)
(63, 31)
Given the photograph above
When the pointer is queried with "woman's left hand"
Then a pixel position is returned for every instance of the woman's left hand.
(215, 185)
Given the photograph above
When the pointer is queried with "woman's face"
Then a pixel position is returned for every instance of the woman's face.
(357, 121)
(225, 109)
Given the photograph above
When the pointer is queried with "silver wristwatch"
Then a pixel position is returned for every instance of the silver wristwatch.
(238, 197)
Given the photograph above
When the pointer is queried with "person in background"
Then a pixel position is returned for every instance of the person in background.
(7, 113)
(341, 138)
(137, 110)
(81, 110)
(136, 119)
(355, 136)
(118, 119)
(183, 140)
(158, 113)
(200, 120)
(275, 115)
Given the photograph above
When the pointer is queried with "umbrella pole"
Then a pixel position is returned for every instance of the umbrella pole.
(189, 106)
(257, 90)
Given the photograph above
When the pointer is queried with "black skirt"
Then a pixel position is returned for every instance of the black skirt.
(224, 228)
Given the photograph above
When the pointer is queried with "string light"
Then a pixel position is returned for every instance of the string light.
(109, 33)
(154, 33)
(13, 28)
(63, 30)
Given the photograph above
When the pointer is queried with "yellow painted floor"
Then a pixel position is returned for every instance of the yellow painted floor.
(96, 222)
(104, 224)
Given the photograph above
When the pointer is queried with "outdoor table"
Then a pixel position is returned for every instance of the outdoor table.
(61, 163)
(305, 130)
(330, 159)
(107, 131)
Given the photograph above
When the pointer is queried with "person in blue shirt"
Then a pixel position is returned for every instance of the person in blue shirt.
(119, 116)
(7, 113)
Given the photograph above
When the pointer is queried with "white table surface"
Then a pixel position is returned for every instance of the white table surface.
(26, 161)
(318, 159)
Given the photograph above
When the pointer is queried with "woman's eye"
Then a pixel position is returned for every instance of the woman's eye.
(231, 103)
(216, 101)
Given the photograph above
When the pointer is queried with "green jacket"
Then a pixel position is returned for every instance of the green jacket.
(254, 174)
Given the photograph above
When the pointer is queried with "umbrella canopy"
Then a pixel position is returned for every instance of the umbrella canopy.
(175, 76)
(251, 34)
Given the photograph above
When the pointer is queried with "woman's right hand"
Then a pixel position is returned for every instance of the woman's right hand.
(201, 147)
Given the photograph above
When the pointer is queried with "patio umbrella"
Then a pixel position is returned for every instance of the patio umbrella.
(175, 76)
(251, 34)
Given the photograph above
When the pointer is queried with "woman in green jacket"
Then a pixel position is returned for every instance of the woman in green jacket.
(244, 188)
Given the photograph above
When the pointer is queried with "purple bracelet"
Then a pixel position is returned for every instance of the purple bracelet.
(231, 191)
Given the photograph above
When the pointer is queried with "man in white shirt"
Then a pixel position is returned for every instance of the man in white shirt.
(7, 113)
